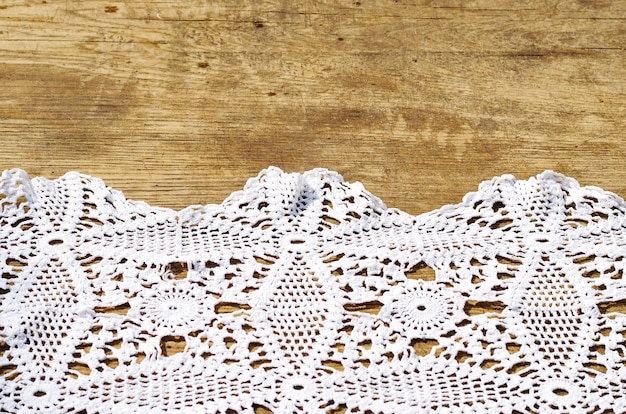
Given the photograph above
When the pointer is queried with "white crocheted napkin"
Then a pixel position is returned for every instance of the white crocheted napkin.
(304, 293)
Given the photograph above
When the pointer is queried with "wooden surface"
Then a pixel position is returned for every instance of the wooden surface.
(179, 103)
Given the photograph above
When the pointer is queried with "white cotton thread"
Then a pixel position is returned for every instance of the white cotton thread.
(304, 293)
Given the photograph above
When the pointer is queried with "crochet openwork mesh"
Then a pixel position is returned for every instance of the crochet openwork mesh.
(303, 293)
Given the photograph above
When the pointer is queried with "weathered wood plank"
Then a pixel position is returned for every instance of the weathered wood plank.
(179, 103)
(418, 100)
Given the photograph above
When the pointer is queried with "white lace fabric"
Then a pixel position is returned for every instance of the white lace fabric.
(303, 293)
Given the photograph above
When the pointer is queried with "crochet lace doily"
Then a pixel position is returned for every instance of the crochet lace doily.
(304, 293)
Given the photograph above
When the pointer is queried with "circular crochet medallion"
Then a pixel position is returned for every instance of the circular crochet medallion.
(566, 393)
(420, 309)
(560, 393)
(175, 308)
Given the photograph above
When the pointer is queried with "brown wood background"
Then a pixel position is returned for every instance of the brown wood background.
(179, 103)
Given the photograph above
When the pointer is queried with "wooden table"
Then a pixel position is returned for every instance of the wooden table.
(180, 103)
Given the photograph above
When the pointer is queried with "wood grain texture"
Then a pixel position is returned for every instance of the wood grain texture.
(179, 103)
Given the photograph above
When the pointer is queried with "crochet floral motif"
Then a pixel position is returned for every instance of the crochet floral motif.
(174, 309)
(304, 293)
(421, 310)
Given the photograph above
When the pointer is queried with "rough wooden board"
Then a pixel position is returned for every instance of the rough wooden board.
(180, 103)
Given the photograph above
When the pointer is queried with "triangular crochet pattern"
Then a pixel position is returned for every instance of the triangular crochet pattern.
(304, 293)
